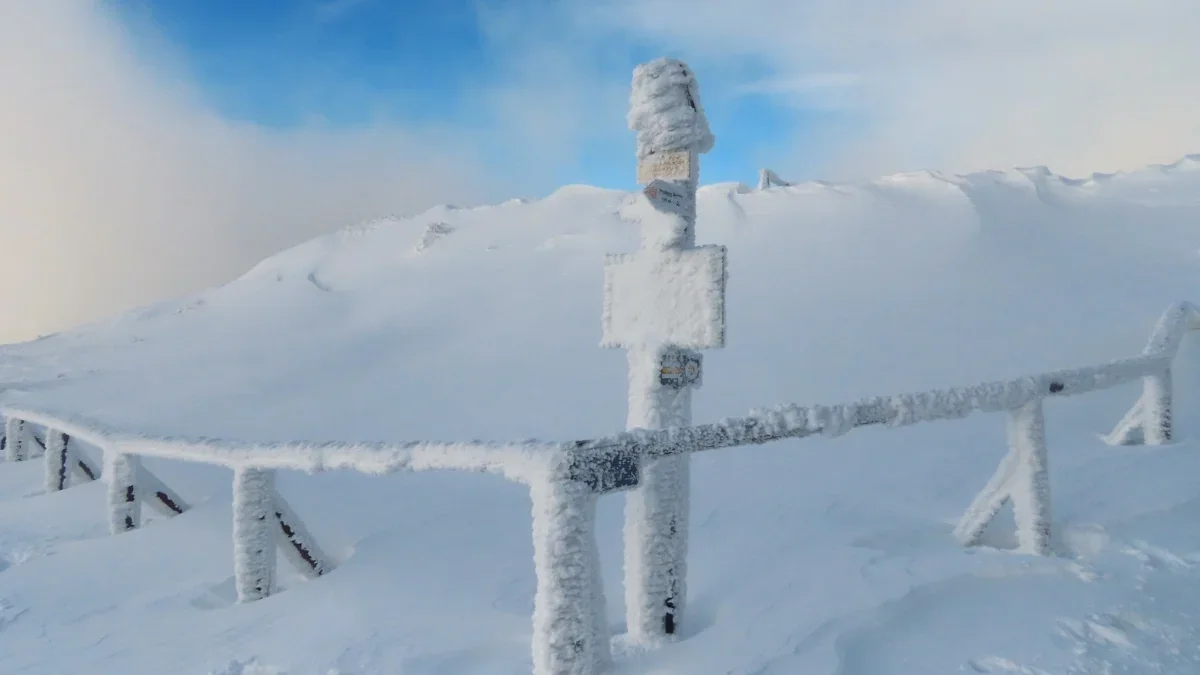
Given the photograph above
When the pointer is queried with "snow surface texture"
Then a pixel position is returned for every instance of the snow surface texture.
(827, 556)
(665, 109)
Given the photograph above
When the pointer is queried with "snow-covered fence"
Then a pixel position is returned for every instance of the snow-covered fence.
(569, 625)
(1022, 476)
(768, 178)
(570, 629)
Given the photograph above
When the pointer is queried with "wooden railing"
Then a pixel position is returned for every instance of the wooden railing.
(570, 629)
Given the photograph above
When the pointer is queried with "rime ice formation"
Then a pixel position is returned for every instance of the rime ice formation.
(569, 622)
(16, 440)
(255, 531)
(665, 109)
(1149, 420)
(124, 494)
(59, 460)
(1031, 478)
(433, 232)
(666, 297)
(768, 179)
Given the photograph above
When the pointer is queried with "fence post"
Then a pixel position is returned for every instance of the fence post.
(255, 532)
(16, 447)
(124, 494)
(570, 624)
(1031, 480)
(1156, 410)
(59, 460)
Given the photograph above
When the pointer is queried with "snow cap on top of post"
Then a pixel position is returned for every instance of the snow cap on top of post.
(665, 110)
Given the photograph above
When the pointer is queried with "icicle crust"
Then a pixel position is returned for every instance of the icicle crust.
(255, 533)
(665, 109)
(570, 626)
(1030, 490)
(124, 495)
(60, 459)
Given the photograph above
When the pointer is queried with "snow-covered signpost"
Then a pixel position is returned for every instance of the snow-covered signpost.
(662, 302)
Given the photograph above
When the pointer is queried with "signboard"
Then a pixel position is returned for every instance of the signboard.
(670, 198)
(675, 165)
(674, 297)
(680, 368)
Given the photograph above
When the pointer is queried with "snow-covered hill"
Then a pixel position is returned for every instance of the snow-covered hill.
(815, 556)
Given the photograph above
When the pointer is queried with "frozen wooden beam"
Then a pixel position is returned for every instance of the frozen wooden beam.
(298, 545)
(160, 497)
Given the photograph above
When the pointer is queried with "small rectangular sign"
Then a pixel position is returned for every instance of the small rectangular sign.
(680, 368)
(666, 166)
(671, 198)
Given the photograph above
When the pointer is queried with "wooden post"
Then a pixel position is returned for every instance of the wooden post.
(1031, 480)
(255, 531)
(1156, 411)
(124, 495)
(570, 625)
(59, 460)
(16, 447)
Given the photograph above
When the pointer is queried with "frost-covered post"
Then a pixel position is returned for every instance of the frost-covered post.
(124, 495)
(59, 460)
(570, 626)
(16, 445)
(255, 533)
(1031, 477)
(1158, 392)
(1023, 478)
(661, 302)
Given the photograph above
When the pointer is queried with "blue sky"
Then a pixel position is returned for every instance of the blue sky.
(345, 63)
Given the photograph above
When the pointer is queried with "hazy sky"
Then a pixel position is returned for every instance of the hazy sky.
(153, 147)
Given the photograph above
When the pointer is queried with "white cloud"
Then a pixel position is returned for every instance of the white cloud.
(119, 186)
(1081, 85)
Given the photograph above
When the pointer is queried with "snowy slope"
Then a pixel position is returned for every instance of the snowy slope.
(815, 556)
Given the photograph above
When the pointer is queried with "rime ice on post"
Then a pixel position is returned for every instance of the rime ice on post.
(1023, 479)
(570, 626)
(661, 302)
(59, 460)
(255, 532)
(124, 495)
(16, 440)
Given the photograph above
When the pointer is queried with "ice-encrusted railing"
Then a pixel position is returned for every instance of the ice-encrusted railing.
(570, 628)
